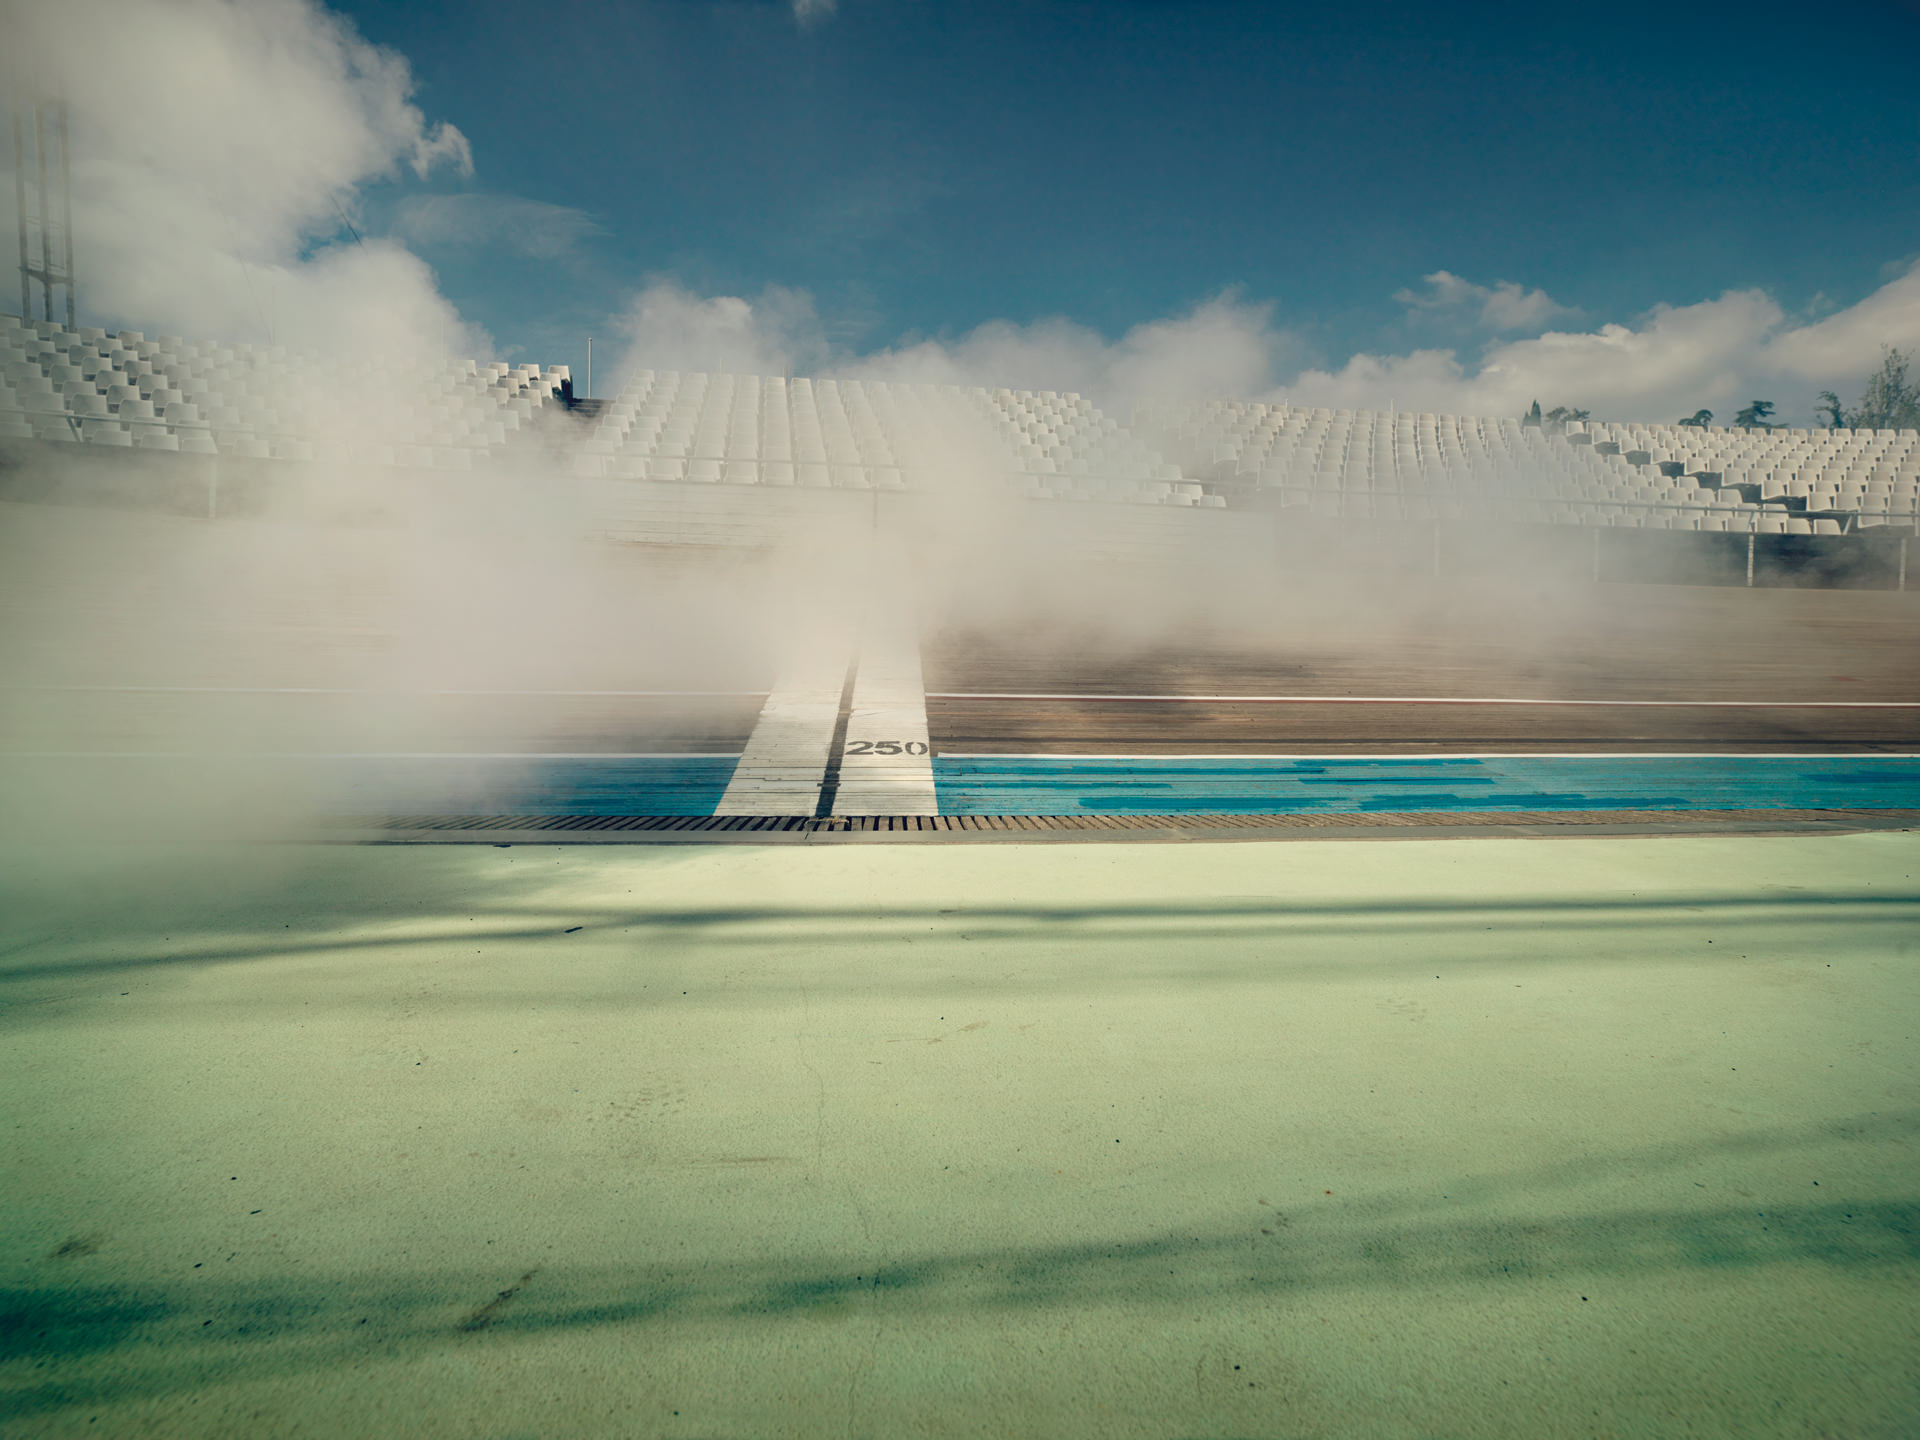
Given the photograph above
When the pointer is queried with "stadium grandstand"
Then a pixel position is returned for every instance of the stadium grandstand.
(1665, 477)
(245, 402)
(163, 393)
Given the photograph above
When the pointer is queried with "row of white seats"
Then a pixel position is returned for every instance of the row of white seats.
(668, 425)
(1422, 509)
(1720, 435)
(1286, 448)
(1280, 447)
(165, 394)
(1771, 457)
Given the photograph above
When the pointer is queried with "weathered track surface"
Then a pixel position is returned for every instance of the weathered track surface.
(1638, 643)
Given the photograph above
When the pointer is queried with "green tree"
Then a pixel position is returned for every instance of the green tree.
(1532, 417)
(1699, 420)
(1754, 417)
(1891, 400)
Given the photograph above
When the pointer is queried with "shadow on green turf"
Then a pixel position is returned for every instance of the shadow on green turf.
(68, 1341)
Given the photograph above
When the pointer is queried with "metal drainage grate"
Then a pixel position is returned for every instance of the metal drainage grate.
(870, 824)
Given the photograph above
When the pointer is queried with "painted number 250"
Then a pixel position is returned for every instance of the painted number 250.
(886, 747)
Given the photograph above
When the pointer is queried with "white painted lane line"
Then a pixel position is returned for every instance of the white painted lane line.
(1432, 700)
(785, 761)
(886, 765)
(395, 694)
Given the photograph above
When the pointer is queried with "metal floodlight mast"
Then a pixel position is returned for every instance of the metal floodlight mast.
(66, 207)
(46, 247)
(20, 212)
(48, 120)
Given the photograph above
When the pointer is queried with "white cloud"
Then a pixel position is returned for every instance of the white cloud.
(1847, 345)
(1503, 307)
(671, 328)
(513, 223)
(812, 12)
(1719, 354)
(215, 141)
(1225, 346)
(1615, 370)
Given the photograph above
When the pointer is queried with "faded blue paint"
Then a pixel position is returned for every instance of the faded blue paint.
(1052, 785)
(542, 785)
(1149, 785)
(397, 785)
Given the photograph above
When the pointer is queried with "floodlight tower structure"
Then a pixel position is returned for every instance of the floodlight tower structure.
(40, 135)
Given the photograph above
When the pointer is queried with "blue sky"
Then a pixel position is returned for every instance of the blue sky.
(923, 168)
(1640, 210)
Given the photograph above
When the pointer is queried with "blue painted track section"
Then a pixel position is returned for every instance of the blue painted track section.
(541, 785)
(400, 784)
(1064, 785)
(1009, 785)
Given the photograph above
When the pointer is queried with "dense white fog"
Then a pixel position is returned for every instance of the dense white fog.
(454, 530)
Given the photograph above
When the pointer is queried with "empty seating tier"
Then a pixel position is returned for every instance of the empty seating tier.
(874, 435)
(1368, 464)
(257, 402)
(130, 391)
